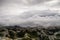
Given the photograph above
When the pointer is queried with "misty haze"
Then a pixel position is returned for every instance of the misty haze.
(42, 17)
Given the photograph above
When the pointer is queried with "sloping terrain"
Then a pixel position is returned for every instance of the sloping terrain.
(29, 33)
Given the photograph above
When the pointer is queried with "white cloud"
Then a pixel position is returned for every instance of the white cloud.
(44, 12)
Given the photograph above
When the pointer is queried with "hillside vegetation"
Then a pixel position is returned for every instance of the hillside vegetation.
(29, 33)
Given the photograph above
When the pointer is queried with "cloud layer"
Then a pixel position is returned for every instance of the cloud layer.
(30, 12)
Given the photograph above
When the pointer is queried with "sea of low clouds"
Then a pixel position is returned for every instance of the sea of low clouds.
(30, 12)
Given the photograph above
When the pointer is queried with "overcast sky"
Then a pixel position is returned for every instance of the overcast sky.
(30, 12)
